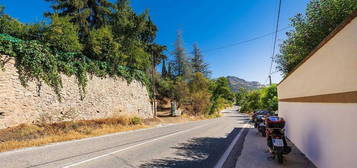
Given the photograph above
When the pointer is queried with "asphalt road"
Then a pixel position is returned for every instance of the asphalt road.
(185, 145)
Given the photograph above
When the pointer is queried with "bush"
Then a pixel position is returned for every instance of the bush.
(135, 121)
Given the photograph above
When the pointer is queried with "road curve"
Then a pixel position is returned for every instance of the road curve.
(185, 145)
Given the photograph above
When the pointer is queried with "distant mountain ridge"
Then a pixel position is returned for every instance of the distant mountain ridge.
(235, 83)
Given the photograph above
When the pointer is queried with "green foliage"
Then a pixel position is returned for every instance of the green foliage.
(264, 98)
(251, 101)
(198, 64)
(181, 91)
(164, 72)
(34, 61)
(240, 95)
(222, 95)
(63, 35)
(181, 65)
(165, 88)
(11, 26)
(37, 62)
(88, 15)
(135, 121)
(320, 19)
(269, 98)
(101, 46)
(199, 93)
(92, 37)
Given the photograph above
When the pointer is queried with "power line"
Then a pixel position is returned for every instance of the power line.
(275, 37)
(242, 42)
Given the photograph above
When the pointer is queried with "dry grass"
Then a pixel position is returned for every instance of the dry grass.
(28, 135)
(35, 135)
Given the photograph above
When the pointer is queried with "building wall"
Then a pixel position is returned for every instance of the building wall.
(105, 98)
(319, 102)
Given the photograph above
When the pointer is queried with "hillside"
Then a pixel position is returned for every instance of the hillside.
(235, 83)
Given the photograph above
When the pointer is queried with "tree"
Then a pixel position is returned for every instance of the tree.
(222, 94)
(198, 64)
(269, 98)
(88, 14)
(63, 35)
(10, 25)
(102, 47)
(181, 65)
(163, 69)
(240, 96)
(320, 19)
(199, 93)
(136, 34)
(251, 101)
(169, 70)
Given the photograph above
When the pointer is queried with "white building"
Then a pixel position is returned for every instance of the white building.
(319, 100)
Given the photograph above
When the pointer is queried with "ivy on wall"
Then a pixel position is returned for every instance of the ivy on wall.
(37, 62)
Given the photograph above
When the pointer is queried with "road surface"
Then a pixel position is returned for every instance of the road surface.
(205, 144)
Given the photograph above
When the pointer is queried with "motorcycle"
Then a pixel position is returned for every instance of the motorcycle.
(260, 122)
(276, 140)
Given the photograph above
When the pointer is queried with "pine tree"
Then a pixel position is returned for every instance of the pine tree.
(198, 64)
(181, 64)
(87, 14)
(163, 70)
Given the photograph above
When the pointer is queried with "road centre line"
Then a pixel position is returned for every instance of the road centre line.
(130, 147)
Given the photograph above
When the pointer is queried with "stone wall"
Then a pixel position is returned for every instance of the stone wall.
(104, 98)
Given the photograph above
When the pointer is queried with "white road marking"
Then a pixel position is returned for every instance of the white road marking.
(130, 147)
(229, 149)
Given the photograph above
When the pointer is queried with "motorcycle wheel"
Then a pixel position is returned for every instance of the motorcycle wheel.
(280, 158)
(263, 134)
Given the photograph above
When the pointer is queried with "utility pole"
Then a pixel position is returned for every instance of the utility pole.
(269, 79)
(275, 38)
(153, 85)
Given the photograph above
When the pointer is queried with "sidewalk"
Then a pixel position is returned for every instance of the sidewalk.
(254, 154)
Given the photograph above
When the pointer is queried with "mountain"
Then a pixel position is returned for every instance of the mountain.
(235, 83)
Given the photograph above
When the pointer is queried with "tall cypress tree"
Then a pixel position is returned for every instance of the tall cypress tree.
(198, 64)
(163, 69)
(169, 70)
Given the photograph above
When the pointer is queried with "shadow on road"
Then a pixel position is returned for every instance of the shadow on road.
(196, 153)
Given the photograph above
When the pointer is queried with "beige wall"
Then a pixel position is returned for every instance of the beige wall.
(104, 98)
(325, 131)
(332, 69)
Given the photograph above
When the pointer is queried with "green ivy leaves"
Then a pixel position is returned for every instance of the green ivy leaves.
(38, 62)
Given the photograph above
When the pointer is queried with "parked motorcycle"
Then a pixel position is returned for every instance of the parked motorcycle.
(260, 122)
(276, 140)
(255, 114)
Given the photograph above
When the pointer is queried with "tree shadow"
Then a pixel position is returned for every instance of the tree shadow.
(196, 153)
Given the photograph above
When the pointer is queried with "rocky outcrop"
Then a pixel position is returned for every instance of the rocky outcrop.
(105, 97)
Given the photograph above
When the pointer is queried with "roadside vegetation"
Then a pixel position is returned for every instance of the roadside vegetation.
(107, 40)
(81, 37)
(320, 19)
(186, 81)
(28, 135)
(265, 98)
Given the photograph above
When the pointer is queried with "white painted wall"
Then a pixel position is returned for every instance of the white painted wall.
(325, 132)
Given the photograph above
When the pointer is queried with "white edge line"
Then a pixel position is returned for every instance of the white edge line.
(133, 146)
(224, 157)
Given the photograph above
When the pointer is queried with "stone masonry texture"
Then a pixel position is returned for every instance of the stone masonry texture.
(105, 97)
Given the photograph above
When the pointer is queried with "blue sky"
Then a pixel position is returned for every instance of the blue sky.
(210, 23)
